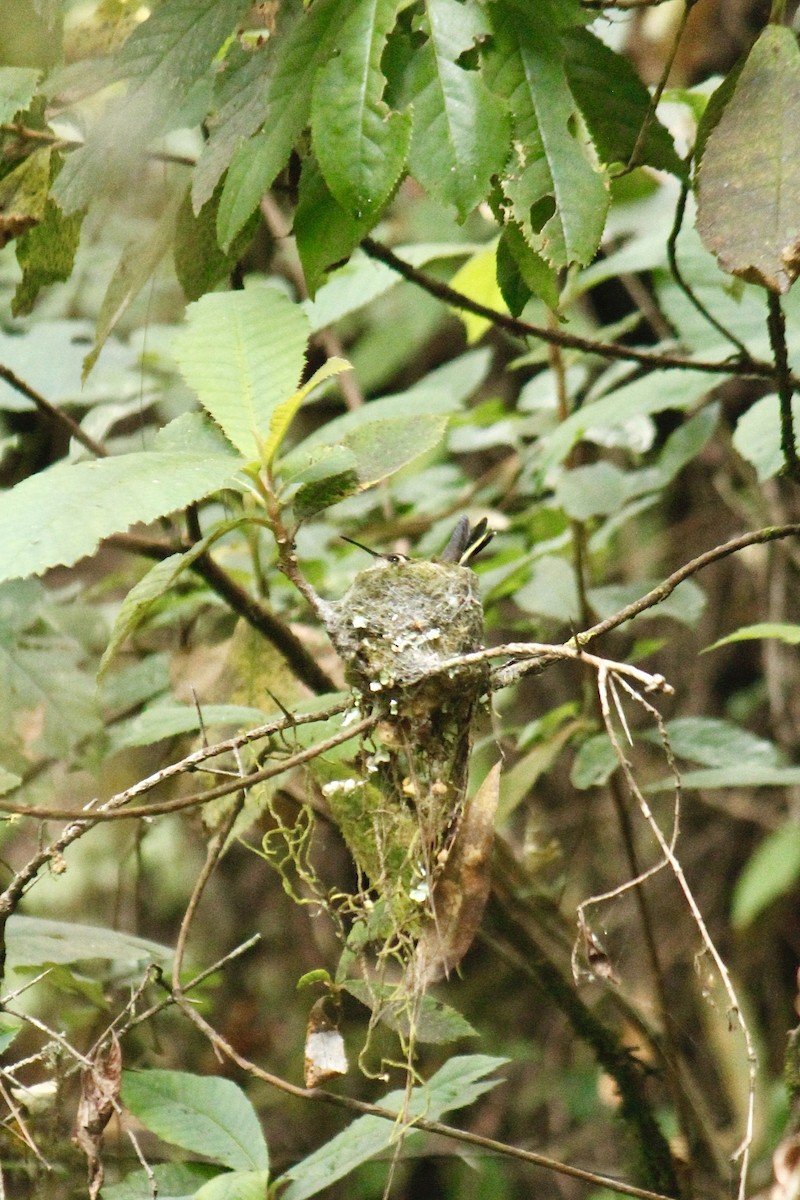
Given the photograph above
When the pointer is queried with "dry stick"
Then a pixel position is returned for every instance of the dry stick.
(438, 1127)
(190, 763)
(88, 818)
(755, 368)
(668, 852)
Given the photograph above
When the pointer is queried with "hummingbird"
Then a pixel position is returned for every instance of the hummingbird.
(465, 544)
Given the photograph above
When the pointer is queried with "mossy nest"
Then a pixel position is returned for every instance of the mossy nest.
(399, 623)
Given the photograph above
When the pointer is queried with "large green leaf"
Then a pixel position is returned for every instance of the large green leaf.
(33, 941)
(325, 233)
(360, 144)
(461, 130)
(201, 1113)
(175, 1181)
(615, 103)
(62, 514)
(772, 871)
(165, 57)
(17, 87)
(556, 194)
(748, 182)
(458, 1083)
(284, 96)
(243, 353)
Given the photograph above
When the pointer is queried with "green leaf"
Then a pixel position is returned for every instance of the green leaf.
(461, 129)
(325, 233)
(458, 1083)
(166, 57)
(33, 941)
(138, 261)
(360, 144)
(685, 603)
(159, 580)
(203, 1114)
(243, 353)
(477, 279)
(748, 181)
(175, 1181)
(592, 491)
(285, 413)
(285, 87)
(772, 871)
(46, 254)
(595, 763)
(716, 743)
(235, 1185)
(170, 720)
(790, 634)
(17, 89)
(383, 446)
(757, 436)
(62, 514)
(615, 103)
(521, 272)
(23, 195)
(317, 495)
(241, 101)
(199, 262)
(556, 195)
(435, 1022)
(744, 775)
(8, 781)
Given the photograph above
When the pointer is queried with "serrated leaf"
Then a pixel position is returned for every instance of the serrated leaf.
(32, 941)
(461, 129)
(203, 1114)
(360, 144)
(137, 263)
(458, 1083)
(243, 353)
(325, 234)
(748, 182)
(556, 195)
(286, 89)
(771, 871)
(314, 497)
(199, 262)
(166, 56)
(284, 414)
(240, 94)
(790, 634)
(383, 446)
(46, 254)
(521, 272)
(63, 513)
(17, 89)
(615, 103)
(23, 195)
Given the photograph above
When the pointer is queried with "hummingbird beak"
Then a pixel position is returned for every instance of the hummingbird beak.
(360, 545)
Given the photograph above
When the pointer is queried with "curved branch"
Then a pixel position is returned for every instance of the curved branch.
(754, 368)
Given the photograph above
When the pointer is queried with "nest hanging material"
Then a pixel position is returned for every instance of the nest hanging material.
(396, 629)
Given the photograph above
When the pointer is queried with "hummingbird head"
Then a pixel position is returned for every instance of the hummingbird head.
(391, 560)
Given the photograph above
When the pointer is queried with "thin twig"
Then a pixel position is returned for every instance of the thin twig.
(776, 325)
(752, 367)
(50, 410)
(86, 819)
